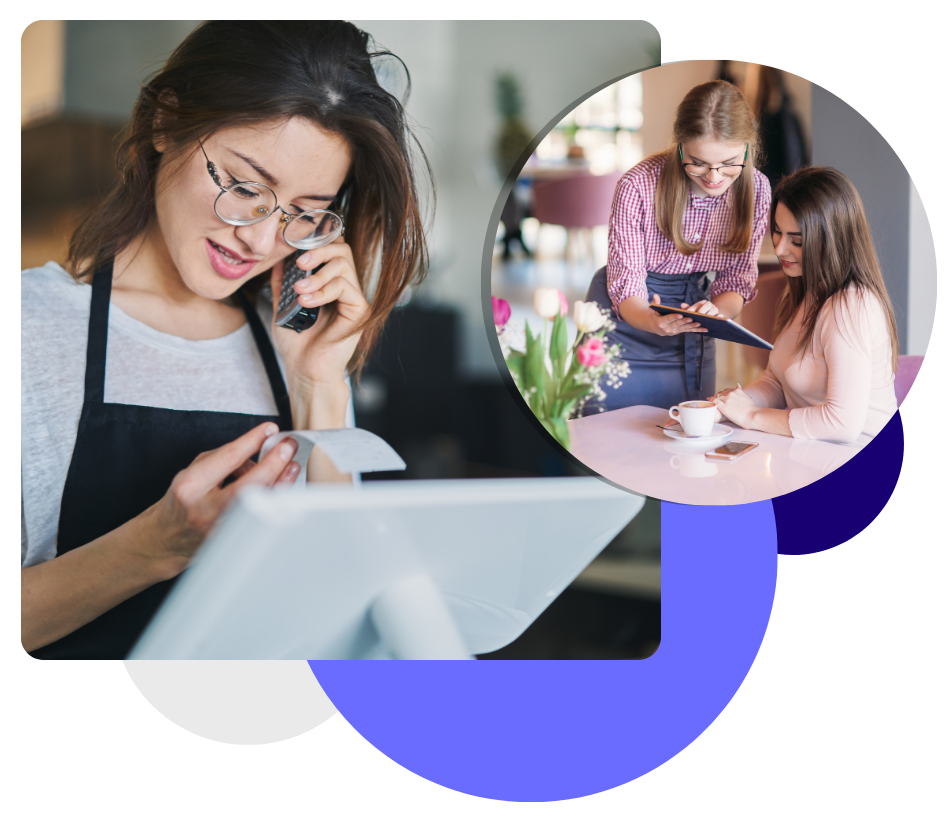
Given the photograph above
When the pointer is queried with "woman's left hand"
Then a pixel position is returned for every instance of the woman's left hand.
(704, 307)
(320, 354)
(737, 406)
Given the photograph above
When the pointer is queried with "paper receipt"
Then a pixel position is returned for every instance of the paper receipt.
(351, 450)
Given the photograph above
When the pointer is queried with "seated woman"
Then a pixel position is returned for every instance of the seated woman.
(831, 374)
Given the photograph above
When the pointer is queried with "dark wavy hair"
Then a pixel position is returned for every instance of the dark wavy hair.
(837, 250)
(238, 73)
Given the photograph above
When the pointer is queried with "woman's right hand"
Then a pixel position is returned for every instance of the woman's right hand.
(198, 494)
(72, 589)
(668, 325)
(715, 399)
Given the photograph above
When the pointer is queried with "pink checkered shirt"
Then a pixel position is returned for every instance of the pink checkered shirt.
(636, 246)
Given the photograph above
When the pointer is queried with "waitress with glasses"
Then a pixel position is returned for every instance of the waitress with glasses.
(700, 207)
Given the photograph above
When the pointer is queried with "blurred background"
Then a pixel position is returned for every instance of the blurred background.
(553, 227)
(480, 92)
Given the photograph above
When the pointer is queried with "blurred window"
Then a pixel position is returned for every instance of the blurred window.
(604, 130)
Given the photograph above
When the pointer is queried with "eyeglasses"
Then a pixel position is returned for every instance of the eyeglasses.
(702, 169)
(246, 203)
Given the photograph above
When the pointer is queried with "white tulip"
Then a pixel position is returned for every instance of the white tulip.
(588, 316)
(549, 303)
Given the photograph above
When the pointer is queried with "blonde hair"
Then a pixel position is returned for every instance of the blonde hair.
(711, 111)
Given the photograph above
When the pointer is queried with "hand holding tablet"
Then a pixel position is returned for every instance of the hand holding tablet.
(703, 307)
(715, 326)
(668, 324)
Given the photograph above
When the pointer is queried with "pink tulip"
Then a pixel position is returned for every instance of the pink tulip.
(501, 311)
(591, 353)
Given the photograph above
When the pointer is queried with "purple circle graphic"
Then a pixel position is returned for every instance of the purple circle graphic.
(551, 730)
(834, 509)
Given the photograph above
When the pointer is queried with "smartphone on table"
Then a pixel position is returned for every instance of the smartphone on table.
(731, 451)
(290, 314)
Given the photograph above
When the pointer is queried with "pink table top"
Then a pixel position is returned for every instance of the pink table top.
(625, 447)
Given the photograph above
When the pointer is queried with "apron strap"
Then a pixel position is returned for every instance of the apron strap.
(269, 357)
(98, 334)
(695, 345)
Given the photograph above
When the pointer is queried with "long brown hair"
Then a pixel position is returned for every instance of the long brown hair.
(237, 73)
(837, 250)
(711, 111)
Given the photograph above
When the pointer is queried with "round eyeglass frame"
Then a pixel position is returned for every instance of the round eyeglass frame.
(286, 218)
(739, 166)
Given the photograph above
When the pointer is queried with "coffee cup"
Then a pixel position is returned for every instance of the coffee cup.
(696, 417)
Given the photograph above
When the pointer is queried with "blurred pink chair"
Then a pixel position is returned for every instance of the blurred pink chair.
(907, 368)
(575, 202)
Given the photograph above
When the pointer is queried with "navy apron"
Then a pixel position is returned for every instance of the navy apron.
(664, 370)
(124, 461)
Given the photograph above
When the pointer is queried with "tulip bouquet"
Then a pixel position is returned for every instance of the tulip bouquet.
(555, 379)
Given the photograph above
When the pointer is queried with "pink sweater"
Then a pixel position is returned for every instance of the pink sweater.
(842, 386)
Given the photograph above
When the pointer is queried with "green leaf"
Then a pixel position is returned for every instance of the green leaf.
(567, 397)
(545, 391)
(572, 369)
(559, 349)
(535, 374)
(516, 361)
(528, 337)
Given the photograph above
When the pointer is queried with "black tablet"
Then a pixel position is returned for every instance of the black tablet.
(721, 328)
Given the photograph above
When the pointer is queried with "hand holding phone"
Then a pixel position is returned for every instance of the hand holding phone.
(321, 356)
(290, 314)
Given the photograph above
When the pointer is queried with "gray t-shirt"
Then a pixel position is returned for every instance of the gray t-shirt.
(144, 367)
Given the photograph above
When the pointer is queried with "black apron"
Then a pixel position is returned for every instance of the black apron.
(124, 461)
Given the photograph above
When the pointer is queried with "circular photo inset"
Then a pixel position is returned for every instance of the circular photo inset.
(712, 282)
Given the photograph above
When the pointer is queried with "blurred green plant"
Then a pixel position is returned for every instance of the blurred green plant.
(508, 96)
(514, 135)
(570, 132)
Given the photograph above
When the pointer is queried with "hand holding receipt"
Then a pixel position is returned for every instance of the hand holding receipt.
(350, 450)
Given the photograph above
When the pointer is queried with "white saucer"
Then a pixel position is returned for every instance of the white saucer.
(720, 434)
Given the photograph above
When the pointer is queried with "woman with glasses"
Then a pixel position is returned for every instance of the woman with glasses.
(153, 370)
(697, 209)
(831, 374)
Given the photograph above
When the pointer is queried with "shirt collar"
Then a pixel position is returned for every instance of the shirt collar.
(697, 202)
